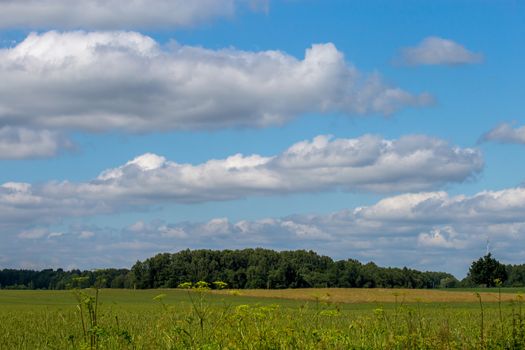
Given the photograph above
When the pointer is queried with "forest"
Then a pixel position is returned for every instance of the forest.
(256, 268)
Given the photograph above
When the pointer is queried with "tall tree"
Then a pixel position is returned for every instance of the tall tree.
(487, 270)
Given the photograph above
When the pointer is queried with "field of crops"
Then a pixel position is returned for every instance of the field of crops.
(288, 319)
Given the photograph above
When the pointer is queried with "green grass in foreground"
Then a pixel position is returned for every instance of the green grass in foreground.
(176, 319)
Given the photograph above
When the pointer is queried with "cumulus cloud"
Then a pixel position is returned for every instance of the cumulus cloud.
(101, 81)
(441, 237)
(115, 14)
(426, 230)
(436, 51)
(368, 163)
(506, 133)
(21, 143)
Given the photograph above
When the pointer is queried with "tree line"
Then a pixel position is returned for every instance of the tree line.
(60, 279)
(260, 268)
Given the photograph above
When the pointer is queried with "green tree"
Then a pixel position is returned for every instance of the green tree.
(486, 270)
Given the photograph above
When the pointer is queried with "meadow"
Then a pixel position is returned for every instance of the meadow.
(262, 319)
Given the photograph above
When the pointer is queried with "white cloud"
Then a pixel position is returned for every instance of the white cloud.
(506, 133)
(86, 234)
(218, 226)
(113, 14)
(139, 226)
(435, 51)
(21, 143)
(483, 207)
(102, 81)
(368, 163)
(304, 231)
(145, 162)
(173, 232)
(441, 237)
(55, 234)
(33, 234)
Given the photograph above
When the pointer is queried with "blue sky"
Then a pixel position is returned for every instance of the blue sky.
(381, 130)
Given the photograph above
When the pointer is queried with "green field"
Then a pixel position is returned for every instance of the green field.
(304, 319)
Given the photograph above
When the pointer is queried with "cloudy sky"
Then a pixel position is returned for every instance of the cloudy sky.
(386, 131)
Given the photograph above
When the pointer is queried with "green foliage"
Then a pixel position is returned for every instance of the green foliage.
(202, 285)
(268, 269)
(185, 285)
(448, 282)
(95, 335)
(60, 279)
(515, 275)
(220, 285)
(487, 271)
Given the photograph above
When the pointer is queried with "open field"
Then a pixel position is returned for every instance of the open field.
(380, 295)
(507, 290)
(260, 319)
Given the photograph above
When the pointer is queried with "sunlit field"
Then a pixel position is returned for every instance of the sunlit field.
(260, 319)
(381, 295)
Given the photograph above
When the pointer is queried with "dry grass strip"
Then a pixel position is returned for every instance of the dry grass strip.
(375, 295)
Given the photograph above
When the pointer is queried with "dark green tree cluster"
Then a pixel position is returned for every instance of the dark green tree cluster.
(515, 275)
(60, 279)
(488, 272)
(263, 268)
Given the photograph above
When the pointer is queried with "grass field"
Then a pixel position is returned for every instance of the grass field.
(261, 319)
(380, 295)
